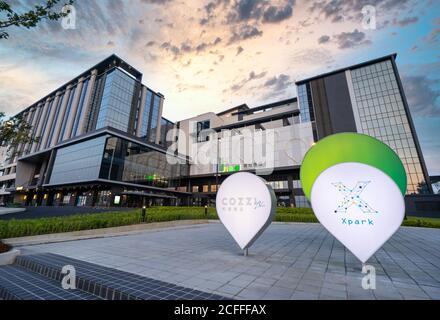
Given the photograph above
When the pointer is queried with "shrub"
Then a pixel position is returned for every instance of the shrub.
(31, 227)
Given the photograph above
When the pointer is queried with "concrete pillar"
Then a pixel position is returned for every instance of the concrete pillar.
(73, 110)
(20, 147)
(50, 121)
(59, 121)
(34, 112)
(37, 111)
(140, 118)
(87, 105)
(40, 125)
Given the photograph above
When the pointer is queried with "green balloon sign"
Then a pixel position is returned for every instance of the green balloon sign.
(356, 185)
(350, 147)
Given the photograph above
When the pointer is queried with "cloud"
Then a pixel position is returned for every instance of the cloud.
(243, 10)
(158, 2)
(323, 39)
(432, 36)
(252, 76)
(244, 32)
(279, 83)
(276, 14)
(341, 10)
(405, 21)
(352, 39)
(188, 47)
(260, 10)
(423, 95)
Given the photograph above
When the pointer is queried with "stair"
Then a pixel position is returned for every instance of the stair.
(38, 277)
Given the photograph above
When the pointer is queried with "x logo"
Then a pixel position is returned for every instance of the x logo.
(351, 197)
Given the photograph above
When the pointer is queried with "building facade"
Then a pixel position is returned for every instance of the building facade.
(102, 140)
(366, 98)
(104, 113)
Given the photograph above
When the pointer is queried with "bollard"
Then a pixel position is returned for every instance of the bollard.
(206, 210)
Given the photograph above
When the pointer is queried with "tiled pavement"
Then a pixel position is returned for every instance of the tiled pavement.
(289, 261)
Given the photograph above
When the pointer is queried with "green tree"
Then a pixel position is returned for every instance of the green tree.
(9, 17)
(14, 131)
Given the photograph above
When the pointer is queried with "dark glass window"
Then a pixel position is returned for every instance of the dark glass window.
(116, 101)
(130, 162)
(201, 126)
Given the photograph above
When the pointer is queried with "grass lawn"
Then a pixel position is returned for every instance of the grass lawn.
(21, 228)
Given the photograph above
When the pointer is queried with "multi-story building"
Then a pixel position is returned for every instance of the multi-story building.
(96, 143)
(365, 98)
(102, 139)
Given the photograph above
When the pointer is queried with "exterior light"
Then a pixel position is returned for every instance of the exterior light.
(19, 188)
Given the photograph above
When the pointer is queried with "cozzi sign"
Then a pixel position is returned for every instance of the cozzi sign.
(356, 185)
(242, 202)
(246, 206)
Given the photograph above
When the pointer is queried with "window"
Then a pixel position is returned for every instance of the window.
(382, 115)
(116, 101)
(201, 126)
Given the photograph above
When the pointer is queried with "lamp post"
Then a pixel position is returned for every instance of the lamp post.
(144, 210)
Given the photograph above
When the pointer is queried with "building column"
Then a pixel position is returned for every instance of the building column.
(141, 112)
(37, 111)
(291, 191)
(20, 146)
(40, 125)
(73, 110)
(61, 114)
(50, 121)
(87, 104)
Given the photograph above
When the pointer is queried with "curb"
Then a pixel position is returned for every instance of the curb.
(102, 233)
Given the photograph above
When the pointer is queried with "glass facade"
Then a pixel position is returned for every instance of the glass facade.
(382, 115)
(154, 119)
(78, 162)
(302, 202)
(116, 101)
(130, 162)
(66, 115)
(305, 103)
(165, 127)
(45, 122)
(146, 114)
(80, 108)
(58, 107)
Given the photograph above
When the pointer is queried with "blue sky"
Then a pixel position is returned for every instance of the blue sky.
(211, 55)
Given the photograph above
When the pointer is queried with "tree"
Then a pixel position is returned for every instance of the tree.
(31, 18)
(15, 131)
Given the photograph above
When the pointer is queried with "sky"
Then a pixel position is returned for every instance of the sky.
(212, 55)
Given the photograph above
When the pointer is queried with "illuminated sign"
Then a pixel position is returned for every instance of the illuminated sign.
(228, 168)
(356, 185)
(246, 206)
(117, 200)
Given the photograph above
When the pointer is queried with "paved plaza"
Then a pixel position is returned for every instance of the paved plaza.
(289, 261)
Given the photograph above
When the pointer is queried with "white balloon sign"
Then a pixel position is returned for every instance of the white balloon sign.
(246, 206)
(359, 204)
